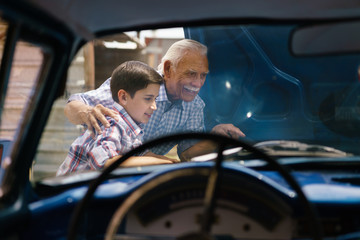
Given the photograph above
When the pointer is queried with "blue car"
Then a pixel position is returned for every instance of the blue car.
(285, 75)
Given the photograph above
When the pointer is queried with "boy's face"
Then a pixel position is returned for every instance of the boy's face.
(142, 105)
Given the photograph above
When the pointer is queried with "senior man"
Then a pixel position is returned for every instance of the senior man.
(179, 108)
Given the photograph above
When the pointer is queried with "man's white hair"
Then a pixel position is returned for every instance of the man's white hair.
(179, 49)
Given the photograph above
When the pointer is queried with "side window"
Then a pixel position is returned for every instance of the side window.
(23, 78)
(18, 91)
(3, 143)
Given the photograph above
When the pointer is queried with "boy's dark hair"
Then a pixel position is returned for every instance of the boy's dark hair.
(132, 76)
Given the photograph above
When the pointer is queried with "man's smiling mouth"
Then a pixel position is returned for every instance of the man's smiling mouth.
(192, 89)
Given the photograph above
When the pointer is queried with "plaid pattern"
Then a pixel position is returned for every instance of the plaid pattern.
(169, 118)
(87, 153)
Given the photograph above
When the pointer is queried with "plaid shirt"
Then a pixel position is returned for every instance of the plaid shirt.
(87, 153)
(169, 118)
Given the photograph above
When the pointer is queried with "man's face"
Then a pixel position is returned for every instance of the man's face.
(142, 105)
(184, 81)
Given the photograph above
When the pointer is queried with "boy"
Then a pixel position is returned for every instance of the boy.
(134, 88)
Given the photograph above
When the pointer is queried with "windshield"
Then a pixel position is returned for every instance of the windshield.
(277, 100)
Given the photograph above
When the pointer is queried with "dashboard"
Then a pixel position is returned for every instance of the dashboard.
(170, 202)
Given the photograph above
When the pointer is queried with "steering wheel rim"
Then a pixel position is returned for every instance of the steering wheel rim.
(222, 141)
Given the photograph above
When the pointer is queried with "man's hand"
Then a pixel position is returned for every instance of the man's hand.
(92, 115)
(228, 130)
(80, 113)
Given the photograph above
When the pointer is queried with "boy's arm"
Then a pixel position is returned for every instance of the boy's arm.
(141, 161)
(113, 141)
(149, 153)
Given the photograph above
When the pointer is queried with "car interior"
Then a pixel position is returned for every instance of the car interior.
(286, 73)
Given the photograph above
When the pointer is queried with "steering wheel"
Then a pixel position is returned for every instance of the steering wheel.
(210, 196)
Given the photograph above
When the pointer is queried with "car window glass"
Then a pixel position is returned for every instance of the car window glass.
(3, 29)
(27, 62)
(23, 78)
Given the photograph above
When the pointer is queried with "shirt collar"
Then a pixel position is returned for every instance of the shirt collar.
(136, 128)
(162, 94)
(164, 98)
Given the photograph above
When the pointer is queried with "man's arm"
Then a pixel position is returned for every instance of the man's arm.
(198, 149)
(196, 124)
(223, 129)
(79, 113)
(90, 107)
(205, 147)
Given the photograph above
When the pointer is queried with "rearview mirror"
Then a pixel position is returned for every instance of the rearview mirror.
(324, 39)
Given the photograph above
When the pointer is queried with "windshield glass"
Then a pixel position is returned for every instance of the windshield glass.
(249, 80)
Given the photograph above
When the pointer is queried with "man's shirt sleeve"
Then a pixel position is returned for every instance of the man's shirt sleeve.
(101, 95)
(195, 123)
